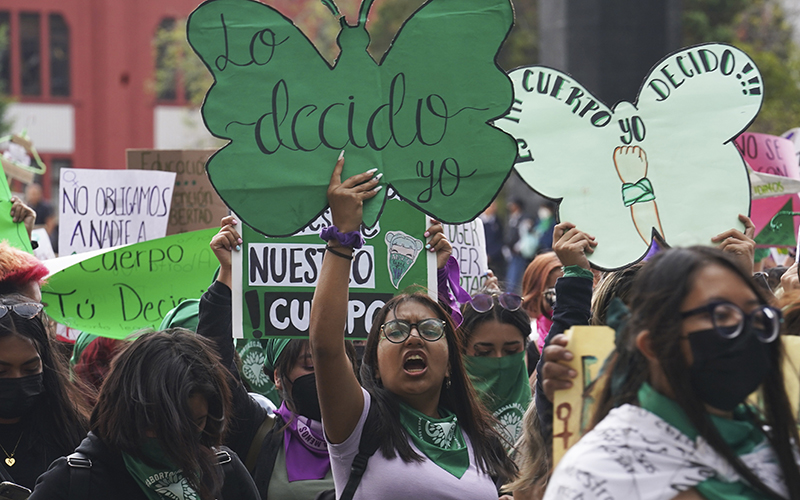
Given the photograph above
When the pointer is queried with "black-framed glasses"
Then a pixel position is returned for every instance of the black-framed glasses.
(484, 302)
(729, 320)
(398, 330)
(26, 310)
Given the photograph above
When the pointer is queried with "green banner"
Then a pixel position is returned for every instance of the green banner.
(279, 275)
(133, 287)
(421, 115)
(13, 232)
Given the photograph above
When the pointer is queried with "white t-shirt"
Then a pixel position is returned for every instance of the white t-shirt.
(396, 480)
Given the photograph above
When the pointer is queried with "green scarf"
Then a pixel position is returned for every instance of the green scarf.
(162, 483)
(439, 439)
(503, 386)
(740, 433)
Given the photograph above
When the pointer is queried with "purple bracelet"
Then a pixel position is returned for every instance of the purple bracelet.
(352, 239)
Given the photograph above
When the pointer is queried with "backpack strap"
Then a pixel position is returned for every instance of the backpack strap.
(367, 447)
(79, 475)
(4, 475)
(258, 439)
(267, 456)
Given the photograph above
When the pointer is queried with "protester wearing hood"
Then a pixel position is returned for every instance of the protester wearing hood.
(495, 331)
(285, 453)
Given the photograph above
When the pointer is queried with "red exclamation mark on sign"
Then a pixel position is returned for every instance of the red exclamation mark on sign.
(251, 299)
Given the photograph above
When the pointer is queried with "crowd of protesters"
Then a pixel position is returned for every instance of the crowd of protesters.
(446, 400)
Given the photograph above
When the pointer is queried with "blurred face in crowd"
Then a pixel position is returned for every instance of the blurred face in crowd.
(495, 339)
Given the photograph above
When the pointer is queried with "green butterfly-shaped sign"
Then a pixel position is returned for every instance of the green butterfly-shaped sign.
(420, 116)
(665, 164)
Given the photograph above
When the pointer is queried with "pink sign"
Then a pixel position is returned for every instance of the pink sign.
(773, 155)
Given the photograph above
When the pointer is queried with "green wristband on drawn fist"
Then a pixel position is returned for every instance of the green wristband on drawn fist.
(420, 116)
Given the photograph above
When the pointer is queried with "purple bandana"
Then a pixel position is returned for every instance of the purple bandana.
(304, 444)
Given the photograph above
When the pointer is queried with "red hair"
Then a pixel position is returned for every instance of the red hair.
(18, 268)
(534, 281)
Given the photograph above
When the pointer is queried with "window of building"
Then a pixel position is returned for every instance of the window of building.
(59, 56)
(31, 54)
(5, 53)
(166, 61)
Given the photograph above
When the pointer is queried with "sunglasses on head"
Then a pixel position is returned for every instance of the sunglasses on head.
(398, 330)
(26, 310)
(484, 302)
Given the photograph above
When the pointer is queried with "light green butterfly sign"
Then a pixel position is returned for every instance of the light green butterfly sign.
(665, 164)
(421, 115)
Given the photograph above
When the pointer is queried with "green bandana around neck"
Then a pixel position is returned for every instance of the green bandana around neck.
(503, 386)
(166, 482)
(440, 439)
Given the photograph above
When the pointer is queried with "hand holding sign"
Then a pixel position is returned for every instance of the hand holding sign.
(420, 115)
(664, 164)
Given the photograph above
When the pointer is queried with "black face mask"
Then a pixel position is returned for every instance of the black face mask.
(18, 395)
(304, 396)
(726, 371)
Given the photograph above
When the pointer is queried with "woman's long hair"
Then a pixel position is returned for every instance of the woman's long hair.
(534, 281)
(460, 398)
(656, 300)
(60, 415)
(147, 393)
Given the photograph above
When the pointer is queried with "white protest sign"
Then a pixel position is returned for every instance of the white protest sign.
(469, 250)
(105, 208)
(45, 250)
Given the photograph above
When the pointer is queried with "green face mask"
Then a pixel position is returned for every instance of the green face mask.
(503, 386)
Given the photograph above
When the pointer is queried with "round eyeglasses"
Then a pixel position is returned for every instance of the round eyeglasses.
(398, 330)
(484, 302)
(26, 310)
(729, 320)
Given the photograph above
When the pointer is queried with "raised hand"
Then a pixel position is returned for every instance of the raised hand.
(572, 245)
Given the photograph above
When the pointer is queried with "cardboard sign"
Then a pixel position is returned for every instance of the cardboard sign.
(108, 208)
(195, 204)
(772, 155)
(573, 408)
(125, 289)
(278, 276)
(663, 164)
(420, 115)
(469, 249)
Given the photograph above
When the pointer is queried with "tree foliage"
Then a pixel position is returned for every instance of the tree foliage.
(760, 28)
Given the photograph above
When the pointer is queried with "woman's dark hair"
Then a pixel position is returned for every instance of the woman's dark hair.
(60, 415)
(656, 299)
(460, 398)
(147, 393)
(519, 319)
(534, 281)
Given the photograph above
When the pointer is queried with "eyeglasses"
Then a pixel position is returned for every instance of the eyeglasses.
(484, 302)
(26, 310)
(729, 320)
(398, 330)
